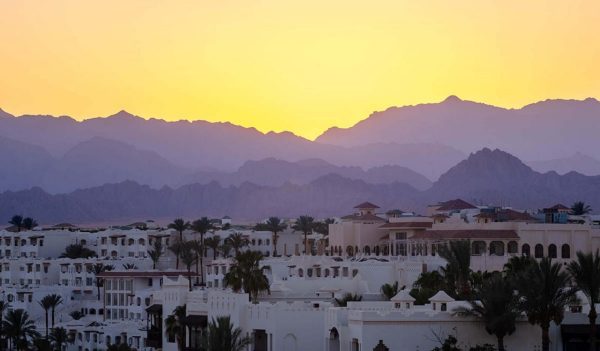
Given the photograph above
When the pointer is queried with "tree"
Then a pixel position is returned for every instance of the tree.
(516, 266)
(188, 258)
(202, 226)
(213, 243)
(29, 223)
(46, 304)
(427, 285)
(119, 347)
(17, 221)
(389, 290)
(175, 328)
(4, 306)
(41, 344)
(222, 335)
(76, 315)
(497, 306)
(129, 266)
(198, 248)
(176, 248)
(59, 337)
(585, 272)
(347, 297)
(237, 242)
(544, 293)
(225, 249)
(580, 208)
(156, 252)
(99, 268)
(322, 227)
(74, 251)
(19, 328)
(305, 224)
(275, 226)
(180, 226)
(55, 300)
(246, 274)
(458, 269)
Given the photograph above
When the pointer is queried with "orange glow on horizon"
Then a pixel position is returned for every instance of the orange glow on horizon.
(301, 66)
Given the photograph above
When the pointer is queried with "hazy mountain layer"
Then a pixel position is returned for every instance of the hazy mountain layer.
(485, 177)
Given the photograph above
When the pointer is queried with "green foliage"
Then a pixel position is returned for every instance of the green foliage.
(17, 222)
(76, 315)
(389, 290)
(175, 327)
(237, 242)
(222, 335)
(29, 223)
(119, 347)
(214, 242)
(156, 252)
(458, 268)
(305, 225)
(180, 226)
(246, 274)
(274, 225)
(75, 251)
(348, 297)
(579, 208)
(18, 327)
(451, 344)
(428, 284)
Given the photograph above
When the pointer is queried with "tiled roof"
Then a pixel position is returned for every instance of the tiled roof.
(467, 234)
(560, 207)
(456, 204)
(366, 217)
(366, 205)
(406, 225)
(506, 215)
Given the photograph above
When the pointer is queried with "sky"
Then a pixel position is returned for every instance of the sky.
(301, 66)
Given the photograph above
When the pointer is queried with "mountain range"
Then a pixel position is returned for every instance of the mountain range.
(485, 177)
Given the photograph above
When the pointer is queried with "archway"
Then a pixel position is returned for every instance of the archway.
(334, 340)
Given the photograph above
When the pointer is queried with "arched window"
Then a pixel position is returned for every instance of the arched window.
(477, 248)
(83, 242)
(130, 242)
(113, 253)
(552, 251)
(326, 272)
(142, 242)
(525, 250)
(565, 251)
(309, 272)
(539, 251)
(92, 311)
(497, 248)
(300, 272)
(367, 250)
(512, 247)
(377, 250)
(350, 251)
(259, 241)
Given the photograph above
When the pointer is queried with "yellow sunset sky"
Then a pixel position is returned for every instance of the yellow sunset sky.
(301, 66)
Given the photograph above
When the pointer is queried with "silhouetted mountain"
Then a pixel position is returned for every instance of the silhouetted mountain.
(99, 161)
(273, 172)
(485, 177)
(21, 165)
(543, 130)
(222, 146)
(130, 201)
(496, 177)
(578, 162)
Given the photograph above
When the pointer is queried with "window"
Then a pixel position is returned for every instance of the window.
(300, 272)
(512, 247)
(477, 248)
(525, 250)
(552, 251)
(539, 251)
(149, 281)
(565, 251)
(443, 307)
(497, 248)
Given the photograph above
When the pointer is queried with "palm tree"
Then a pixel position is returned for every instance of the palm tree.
(497, 306)
(18, 327)
(202, 226)
(275, 226)
(41, 344)
(213, 243)
(246, 274)
(119, 347)
(585, 272)
(176, 248)
(4, 306)
(74, 251)
(180, 226)
(389, 290)
(55, 300)
(458, 268)
(156, 252)
(175, 328)
(322, 227)
(129, 266)
(188, 258)
(305, 224)
(198, 248)
(237, 242)
(76, 315)
(516, 266)
(59, 337)
(544, 293)
(46, 304)
(347, 297)
(29, 223)
(225, 249)
(99, 268)
(224, 336)
(579, 208)
(17, 221)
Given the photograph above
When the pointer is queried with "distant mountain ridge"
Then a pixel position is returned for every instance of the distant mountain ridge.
(485, 177)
